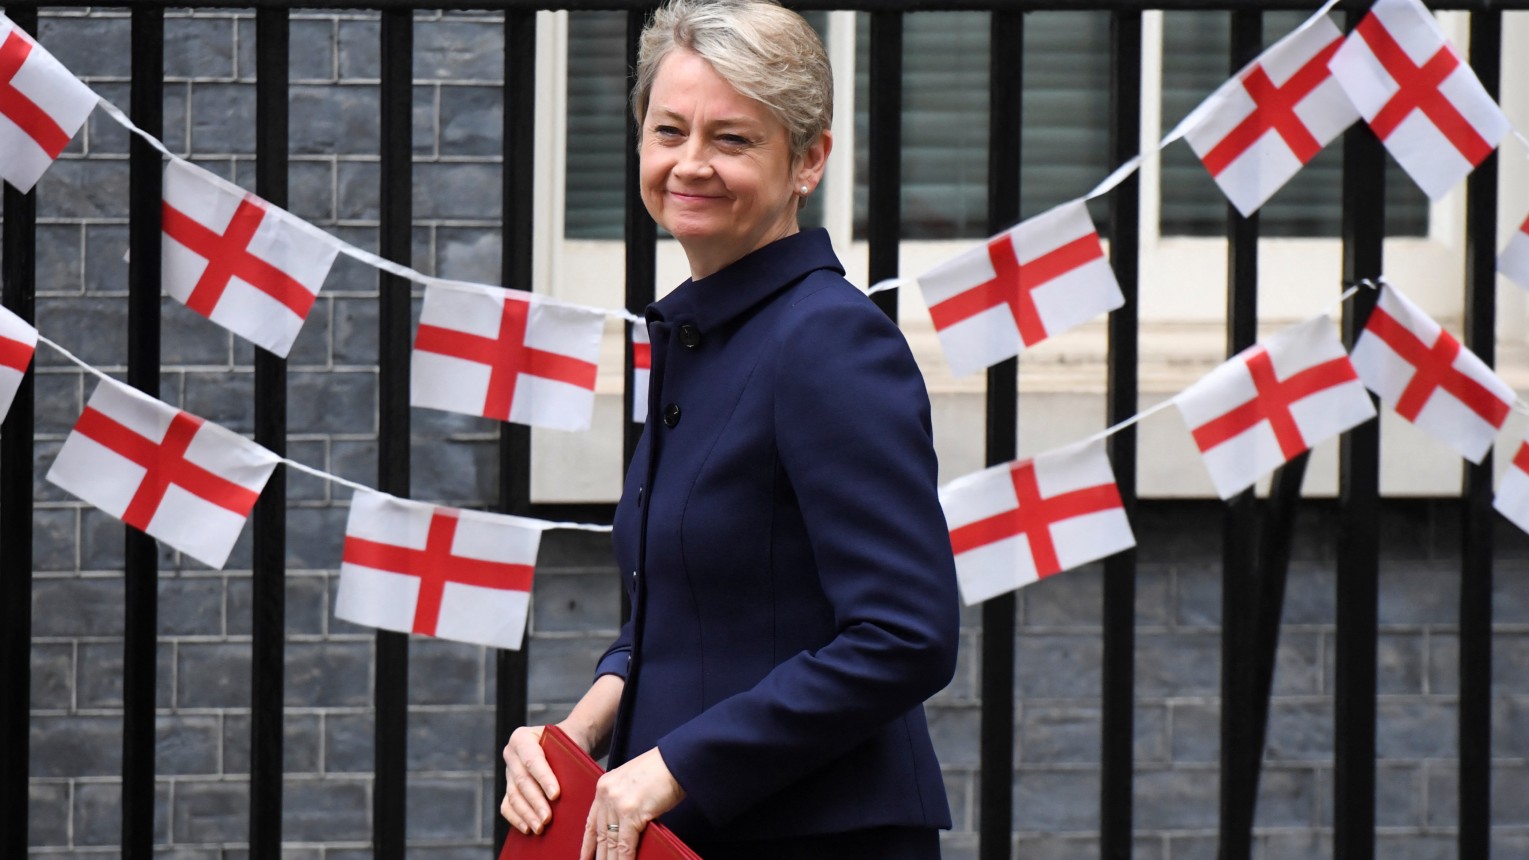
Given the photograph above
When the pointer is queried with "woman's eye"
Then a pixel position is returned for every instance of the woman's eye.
(734, 140)
(666, 131)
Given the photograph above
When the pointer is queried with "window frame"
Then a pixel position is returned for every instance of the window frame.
(1183, 278)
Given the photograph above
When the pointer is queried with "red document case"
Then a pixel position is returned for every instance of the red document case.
(576, 773)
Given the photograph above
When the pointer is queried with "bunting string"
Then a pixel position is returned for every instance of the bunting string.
(1128, 422)
(86, 366)
(360, 254)
(332, 478)
(1071, 253)
(1104, 187)
(1108, 184)
(302, 467)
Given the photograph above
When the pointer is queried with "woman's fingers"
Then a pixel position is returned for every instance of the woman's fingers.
(607, 837)
(592, 847)
(626, 800)
(525, 751)
(530, 786)
(522, 814)
(517, 813)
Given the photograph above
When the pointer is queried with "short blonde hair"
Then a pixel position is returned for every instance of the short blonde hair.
(766, 52)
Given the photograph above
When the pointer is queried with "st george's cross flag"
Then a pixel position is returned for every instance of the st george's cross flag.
(642, 371)
(18, 342)
(1271, 402)
(1418, 95)
(1422, 372)
(501, 354)
(1513, 262)
(1261, 127)
(165, 472)
(453, 574)
(1015, 524)
(42, 107)
(239, 261)
(1512, 497)
(1031, 282)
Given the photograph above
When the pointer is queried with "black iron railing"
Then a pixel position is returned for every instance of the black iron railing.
(1257, 533)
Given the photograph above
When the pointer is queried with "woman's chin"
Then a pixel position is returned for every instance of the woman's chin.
(700, 233)
(698, 227)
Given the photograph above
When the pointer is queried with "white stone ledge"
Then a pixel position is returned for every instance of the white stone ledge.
(1061, 399)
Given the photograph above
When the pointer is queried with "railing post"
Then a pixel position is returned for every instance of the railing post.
(511, 667)
(885, 210)
(996, 819)
(1118, 722)
(1364, 229)
(1239, 557)
(19, 288)
(641, 235)
(1478, 518)
(141, 552)
(268, 648)
(641, 252)
(393, 342)
(641, 244)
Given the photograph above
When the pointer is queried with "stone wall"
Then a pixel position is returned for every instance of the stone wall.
(204, 659)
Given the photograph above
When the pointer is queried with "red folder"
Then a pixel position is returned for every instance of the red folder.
(576, 774)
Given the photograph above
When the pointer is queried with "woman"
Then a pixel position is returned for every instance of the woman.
(793, 592)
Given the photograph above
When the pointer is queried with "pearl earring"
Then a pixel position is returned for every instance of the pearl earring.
(804, 189)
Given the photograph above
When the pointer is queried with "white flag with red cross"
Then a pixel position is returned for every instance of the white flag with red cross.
(1420, 370)
(42, 107)
(1036, 280)
(1261, 127)
(18, 342)
(1418, 95)
(453, 574)
(642, 371)
(502, 354)
(1014, 524)
(168, 473)
(1271, 402)
(246, 265)
(1513, 262)
(1512, 498)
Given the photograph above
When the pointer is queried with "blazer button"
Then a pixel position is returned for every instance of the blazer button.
(690, 336)
(671, 415)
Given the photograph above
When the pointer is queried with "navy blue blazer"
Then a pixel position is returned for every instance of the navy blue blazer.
(793, 590)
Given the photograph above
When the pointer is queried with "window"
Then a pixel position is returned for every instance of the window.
(945, 99)
(1064, 135)
(597, 108)
(1195, 51)
(944, 124)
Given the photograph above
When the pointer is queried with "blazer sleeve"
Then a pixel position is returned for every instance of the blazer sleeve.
(617, 659)
(854, 438)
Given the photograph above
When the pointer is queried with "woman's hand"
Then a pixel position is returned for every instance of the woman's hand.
(529, 784)
(626, 800)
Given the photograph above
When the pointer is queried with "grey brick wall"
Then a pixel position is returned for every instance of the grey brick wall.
(204, 653)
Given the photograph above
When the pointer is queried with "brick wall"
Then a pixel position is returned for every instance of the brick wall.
(203, 722)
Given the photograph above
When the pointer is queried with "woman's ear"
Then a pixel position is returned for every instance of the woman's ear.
(809, 169)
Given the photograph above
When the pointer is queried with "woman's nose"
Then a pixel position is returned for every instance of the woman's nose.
(694, 161)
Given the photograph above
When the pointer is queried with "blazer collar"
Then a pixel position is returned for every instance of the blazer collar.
(721, 297)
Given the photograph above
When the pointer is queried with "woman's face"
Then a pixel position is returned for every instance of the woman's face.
(717, 170)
